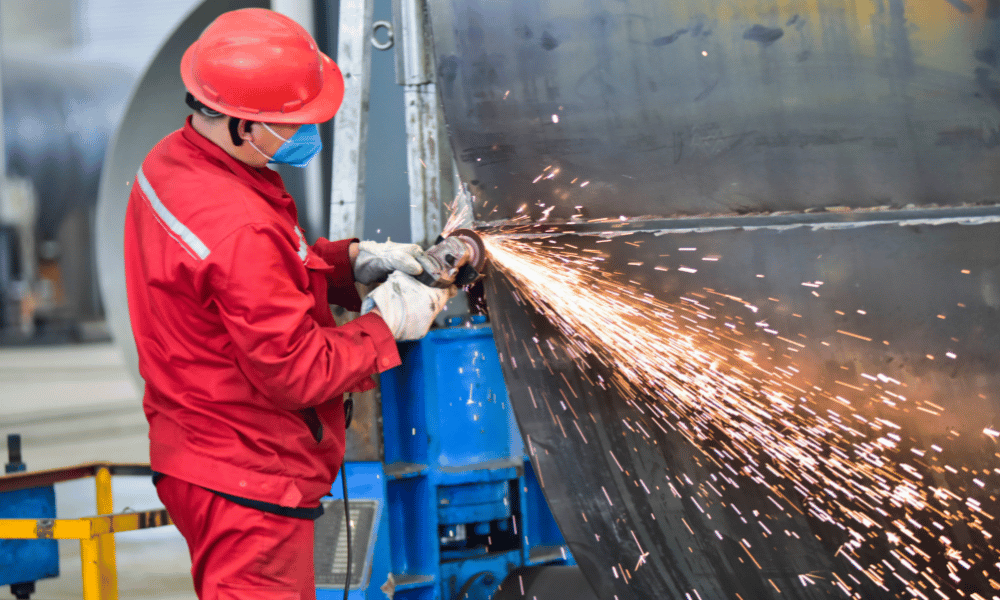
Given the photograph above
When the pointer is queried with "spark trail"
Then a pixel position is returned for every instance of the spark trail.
(813, 453)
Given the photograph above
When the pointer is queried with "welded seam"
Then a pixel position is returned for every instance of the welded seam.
(815, 222)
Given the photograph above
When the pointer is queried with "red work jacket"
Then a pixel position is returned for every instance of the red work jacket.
(230, 311)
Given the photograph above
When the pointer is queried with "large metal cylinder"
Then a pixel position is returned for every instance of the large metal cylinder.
(58, 117)
(782, 381)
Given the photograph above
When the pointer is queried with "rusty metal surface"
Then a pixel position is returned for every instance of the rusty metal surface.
(364, 438)
(832, 165)
(20, 481)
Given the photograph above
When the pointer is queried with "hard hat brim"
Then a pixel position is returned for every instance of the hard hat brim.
(320, 109)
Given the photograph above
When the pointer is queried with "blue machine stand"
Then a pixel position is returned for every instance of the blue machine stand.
(455, 505)
(22, 562)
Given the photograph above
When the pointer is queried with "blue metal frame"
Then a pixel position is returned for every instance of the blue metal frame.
(365, 481)
(463, 505)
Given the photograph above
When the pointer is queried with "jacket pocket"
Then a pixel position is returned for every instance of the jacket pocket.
(313, 423)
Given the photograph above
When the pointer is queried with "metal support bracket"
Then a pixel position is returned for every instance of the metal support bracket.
(428, 159)
(43, 528)
(99, 570)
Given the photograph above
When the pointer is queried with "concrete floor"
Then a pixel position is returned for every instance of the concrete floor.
(76, 404)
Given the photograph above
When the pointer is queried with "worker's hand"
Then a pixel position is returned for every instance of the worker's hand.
(407, 306)
(376, 260)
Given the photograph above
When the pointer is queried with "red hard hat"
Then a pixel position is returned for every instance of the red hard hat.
(260, 65)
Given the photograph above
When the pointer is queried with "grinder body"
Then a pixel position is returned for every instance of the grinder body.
(459, 259)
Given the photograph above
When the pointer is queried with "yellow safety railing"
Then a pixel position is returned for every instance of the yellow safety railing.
(96, 534)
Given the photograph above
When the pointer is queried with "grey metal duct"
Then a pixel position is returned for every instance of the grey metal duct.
(58, 118)
(813, 187)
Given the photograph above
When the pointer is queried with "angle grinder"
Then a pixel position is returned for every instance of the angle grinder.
(459, 259)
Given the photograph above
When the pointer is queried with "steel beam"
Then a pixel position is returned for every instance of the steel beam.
(428, 155)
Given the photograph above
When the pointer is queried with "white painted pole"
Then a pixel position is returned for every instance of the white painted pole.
(303, 13)
(350, 137)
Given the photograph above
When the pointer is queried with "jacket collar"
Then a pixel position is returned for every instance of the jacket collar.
(266, 182)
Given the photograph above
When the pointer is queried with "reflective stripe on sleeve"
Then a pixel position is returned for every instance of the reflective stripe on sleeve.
(170, 220)
(303, 247)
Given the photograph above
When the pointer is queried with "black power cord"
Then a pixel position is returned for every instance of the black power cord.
(348, 415)
(487, 579)
(347, 524)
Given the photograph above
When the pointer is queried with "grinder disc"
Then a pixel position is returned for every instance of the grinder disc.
(478, 259)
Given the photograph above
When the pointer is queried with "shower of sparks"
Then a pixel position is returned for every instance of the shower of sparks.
(699, 374)
(459, 211)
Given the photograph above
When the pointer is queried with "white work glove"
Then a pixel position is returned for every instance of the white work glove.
(376, 260)
(407, 306)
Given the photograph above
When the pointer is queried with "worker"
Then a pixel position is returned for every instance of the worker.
(245, 368)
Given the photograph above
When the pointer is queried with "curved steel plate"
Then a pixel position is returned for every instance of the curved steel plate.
(606, 108)
(810, 406)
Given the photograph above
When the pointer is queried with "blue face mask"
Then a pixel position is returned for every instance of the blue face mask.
(297, 150)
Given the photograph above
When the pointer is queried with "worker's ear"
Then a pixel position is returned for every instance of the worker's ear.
(247, 130)
(234, 131)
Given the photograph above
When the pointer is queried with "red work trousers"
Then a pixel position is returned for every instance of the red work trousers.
(240, 553)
